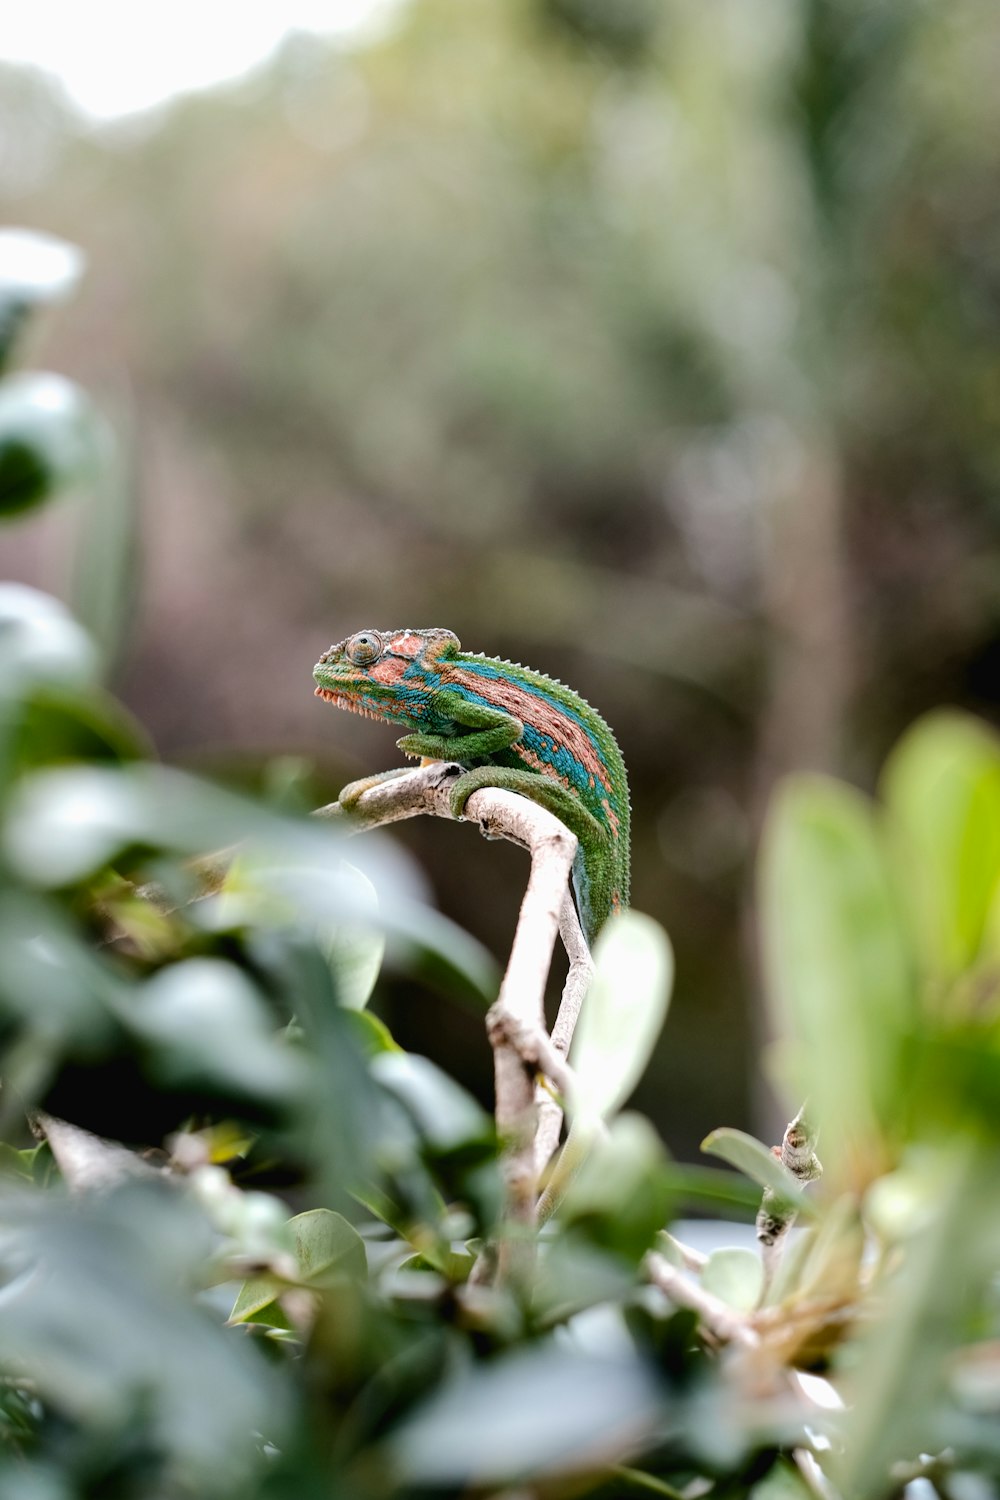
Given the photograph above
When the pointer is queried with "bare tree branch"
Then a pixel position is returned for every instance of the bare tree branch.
(581, 971)
(516, 1022)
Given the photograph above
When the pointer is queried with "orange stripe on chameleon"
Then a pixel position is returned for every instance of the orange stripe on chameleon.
(407, 643)
(389, 670)
(545, 717)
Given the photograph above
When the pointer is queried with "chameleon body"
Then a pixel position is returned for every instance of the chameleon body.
(508, 727)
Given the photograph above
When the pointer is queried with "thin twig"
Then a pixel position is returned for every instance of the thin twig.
(717, 1317)
(692, 1259)
(581, 971)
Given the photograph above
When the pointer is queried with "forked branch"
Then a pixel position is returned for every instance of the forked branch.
(522, 1046)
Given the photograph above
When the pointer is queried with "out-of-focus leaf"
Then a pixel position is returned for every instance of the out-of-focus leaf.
(447, 1117)
(897, 1364)
(736, 1276)
(103, 587)
(623, 1012)
(65, 824)
(355, 953)
(204, 1020)
(327, 1247)
(831, 1268)
(712, 1191)
(373, 1034)
(573, 1275)
(354, 949)
(97, 1314)
(254, 1224)
(50, 982)
(58, 724)
(256, 1303)
(839, 979)
(545, 1409)
(48, 439)
(40, 642)
(903, 1202)
(35, 269)
(942, 793)
(755, 1159)
(620, 1198)
(782, 1482)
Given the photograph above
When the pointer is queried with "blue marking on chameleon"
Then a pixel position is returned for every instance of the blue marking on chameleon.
(561, 760)
(485, 669)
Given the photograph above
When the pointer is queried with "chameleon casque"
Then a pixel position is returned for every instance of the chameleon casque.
(509, 727)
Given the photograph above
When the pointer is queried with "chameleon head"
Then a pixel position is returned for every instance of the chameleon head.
(385, 674)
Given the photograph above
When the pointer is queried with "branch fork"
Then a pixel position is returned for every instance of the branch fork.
(528, 1118)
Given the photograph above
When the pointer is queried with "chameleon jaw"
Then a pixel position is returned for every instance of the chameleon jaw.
(344, 700)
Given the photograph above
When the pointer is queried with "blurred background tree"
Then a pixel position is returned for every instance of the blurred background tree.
(654, 345)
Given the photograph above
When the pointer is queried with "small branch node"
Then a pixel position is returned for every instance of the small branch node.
(797, 1152)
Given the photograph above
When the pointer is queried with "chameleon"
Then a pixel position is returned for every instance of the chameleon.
(507, 726)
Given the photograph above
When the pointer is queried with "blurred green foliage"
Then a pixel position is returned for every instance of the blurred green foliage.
(669, 329)
(651, 344)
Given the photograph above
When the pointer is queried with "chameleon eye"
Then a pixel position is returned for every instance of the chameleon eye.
(364, 648)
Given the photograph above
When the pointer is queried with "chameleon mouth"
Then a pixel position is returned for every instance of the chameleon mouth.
(344, 700)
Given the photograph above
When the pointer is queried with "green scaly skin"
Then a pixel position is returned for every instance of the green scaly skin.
(508, 727)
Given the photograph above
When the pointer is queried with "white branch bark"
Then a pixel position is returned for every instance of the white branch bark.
(516, 1027)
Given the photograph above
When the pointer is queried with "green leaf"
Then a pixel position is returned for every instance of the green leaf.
(205, 1021)
(782, 1482)
(623, 1012)
(106, 1326)
(57, 724)
(736, 1275)
(503, 1419)
(839, 978)
(620, 1198)
(64, 824)
(755, 1159)
(256, 1302)
(372, 1033)
(18, 1163)
(40, 642)
(327, 1247)
(942, 792)
(898, 1361)
(355, 951)
(573, 1275)
(711, 1191)
(447, 1117)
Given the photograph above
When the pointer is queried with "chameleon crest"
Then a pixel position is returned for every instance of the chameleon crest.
(509, 727)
